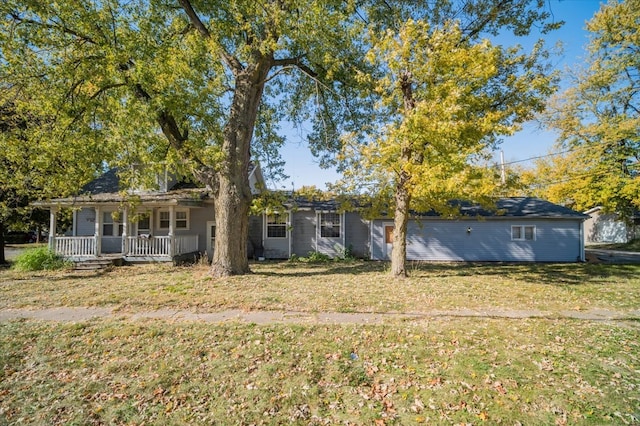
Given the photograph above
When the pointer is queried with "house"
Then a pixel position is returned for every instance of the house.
(521, 229)
(178, 220)
(603, 227)
(314, 226)
(173, 220)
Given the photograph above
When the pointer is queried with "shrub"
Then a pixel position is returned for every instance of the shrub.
(37, 259)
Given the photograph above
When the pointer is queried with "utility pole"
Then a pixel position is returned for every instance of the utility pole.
(503, 173)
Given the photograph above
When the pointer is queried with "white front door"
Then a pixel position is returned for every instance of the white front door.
(211, 238)
(388, 240)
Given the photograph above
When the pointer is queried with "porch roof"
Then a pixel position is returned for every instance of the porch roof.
(191, 197)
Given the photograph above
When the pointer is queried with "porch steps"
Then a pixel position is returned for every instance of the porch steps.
(99, 264)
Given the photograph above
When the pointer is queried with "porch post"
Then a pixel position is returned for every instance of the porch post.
(172, 237)
(53, 219)
(343, 232)
(98, 230)
(125, 231)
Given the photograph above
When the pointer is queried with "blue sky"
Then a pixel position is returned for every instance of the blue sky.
(304, 170)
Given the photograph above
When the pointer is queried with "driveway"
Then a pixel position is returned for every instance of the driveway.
(611, 256)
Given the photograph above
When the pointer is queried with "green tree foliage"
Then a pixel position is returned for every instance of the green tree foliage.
(198, 85)
(34, 164)
(446, 95)
(598, 120)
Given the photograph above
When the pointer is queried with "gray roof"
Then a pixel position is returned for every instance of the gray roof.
(504, 207)
(521, 207)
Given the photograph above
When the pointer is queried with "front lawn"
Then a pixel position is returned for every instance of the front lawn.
(454, 371)
(341, 287)
(436, 370)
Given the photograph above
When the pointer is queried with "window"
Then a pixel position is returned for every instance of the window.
(163, 218)
(181, 219)
(523, 233)
(277, 225)
(144, 224)
(111, 227)
(329, 225)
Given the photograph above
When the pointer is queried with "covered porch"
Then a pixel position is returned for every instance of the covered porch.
(157, 234)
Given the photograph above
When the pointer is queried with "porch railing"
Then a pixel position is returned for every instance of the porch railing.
(75, 246)
(160, 246)
(186, 244)
(148, 247)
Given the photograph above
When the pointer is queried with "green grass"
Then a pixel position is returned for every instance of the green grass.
(341, 287)
(461, 371)
(439, 370)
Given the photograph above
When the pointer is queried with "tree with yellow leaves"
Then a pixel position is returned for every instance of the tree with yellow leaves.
(447, 95)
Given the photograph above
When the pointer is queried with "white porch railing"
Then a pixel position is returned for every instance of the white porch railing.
(186, 244)
(148, 247)
(160, 246)
(75, 246)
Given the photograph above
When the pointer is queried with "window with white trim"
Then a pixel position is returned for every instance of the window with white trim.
(330, 225)
(144, 223)
(181, 219)
(523, 233)
(277, 225)
(110, 226)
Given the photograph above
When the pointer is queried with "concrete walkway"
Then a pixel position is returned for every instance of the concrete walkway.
(66, 314)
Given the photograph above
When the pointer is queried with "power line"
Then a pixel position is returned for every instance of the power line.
(552, 154)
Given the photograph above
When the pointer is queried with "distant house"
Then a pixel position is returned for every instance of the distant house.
(603, 227)
(176, 220)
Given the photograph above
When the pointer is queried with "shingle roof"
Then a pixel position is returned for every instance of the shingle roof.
(106, 183)
(505, 207)
(521, 207)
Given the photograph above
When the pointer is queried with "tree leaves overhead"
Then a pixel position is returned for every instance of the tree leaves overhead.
(598, 120)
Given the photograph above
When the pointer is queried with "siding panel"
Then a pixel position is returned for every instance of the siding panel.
(489, 240)
(303, 233)
(357, 235)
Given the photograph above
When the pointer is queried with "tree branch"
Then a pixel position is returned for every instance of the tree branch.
(63, 28)
(197, 23)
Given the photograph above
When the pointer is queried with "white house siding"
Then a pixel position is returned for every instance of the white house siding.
(488, 240)
(198, 218)
(274, 247)
(303, 233)
(357, 235)
(85, 222)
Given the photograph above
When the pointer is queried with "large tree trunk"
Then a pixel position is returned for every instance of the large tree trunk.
(3, 259)
(232, 194)
(401, 218)
(402, 192)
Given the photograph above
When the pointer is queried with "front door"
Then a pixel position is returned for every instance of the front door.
(388, 240)
(211, 238)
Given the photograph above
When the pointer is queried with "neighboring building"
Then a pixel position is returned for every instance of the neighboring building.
(177, 220)
(603, 227)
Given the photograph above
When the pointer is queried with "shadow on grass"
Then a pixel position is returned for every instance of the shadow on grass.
(299, 269)
(545, 273)
(539, 273)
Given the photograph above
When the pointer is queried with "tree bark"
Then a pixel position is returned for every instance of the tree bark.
(400, 220)
(402, 192)
(232, 193)
(3, 259)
